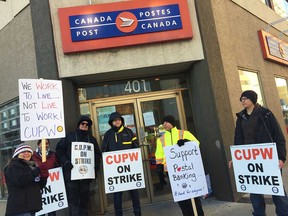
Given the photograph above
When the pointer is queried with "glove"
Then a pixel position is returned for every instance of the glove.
(43, 170)
(68, 165)
(181, 142)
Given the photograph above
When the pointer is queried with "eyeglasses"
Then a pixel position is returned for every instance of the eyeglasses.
(243, 99)
(84, 123)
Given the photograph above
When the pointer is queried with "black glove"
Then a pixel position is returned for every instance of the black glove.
(181, 142)
(68, 165)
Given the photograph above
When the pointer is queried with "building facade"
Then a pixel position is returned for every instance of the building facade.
(197, 79)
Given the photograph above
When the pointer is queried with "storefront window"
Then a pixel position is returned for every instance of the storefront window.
(9, 138)
(281, 85)
(250, 81)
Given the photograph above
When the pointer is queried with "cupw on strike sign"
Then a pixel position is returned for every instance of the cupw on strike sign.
(256, 169)
(123, 170)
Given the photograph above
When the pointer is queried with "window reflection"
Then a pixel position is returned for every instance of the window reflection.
(250, 81)
(281, 85)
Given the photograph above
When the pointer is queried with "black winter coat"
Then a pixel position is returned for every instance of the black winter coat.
(63, 149)
(24, 189)
(267, 129)
(123, 139)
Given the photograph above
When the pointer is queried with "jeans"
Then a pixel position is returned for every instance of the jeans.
(135, 202)
(187, 209)
(258, 203)
(78, 197)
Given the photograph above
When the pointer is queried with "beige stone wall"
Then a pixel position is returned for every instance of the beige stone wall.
(9, 9)
(237, 25)
(17, 56)
(127, 58)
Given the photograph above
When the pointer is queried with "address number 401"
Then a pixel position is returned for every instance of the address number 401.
(136, 86)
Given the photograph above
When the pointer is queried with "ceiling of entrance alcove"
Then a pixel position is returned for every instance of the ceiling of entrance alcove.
(133, 73)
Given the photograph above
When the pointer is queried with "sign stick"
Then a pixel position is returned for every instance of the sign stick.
(43, 146)
(194, 207)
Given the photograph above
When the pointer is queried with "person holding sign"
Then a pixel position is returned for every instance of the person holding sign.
(24, 180)
(174, 136)
(51, 160)
(115, 139)
(256, 124)
(77, 190)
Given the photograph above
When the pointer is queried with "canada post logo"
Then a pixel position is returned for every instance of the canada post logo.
(123, 23)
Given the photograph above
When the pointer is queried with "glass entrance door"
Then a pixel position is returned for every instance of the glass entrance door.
(143, 115)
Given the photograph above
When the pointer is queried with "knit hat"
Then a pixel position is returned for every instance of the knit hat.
(22, 148)
(169, 119)
(84, 118)
(251, 95)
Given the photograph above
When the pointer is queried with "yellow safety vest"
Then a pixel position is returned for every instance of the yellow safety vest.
(170, 138)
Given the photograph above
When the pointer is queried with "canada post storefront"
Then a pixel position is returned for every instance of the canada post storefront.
(134, 57)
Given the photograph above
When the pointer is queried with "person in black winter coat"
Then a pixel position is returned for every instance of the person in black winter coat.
(115, 139)
(77, 190)
(24, 181)
(256, 124)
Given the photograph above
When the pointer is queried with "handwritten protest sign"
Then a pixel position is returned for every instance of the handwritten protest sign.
(54, 195)
(123, 170)
(256, 169)
(186, 172)
(41, 109)
(83, 160)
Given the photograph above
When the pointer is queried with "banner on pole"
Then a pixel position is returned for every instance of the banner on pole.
(54, 194)
(256, 169)
(83, 160)
(123, 170)
(186, 172)
(41, 109)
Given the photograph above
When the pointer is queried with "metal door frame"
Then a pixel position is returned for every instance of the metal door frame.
(136, 100)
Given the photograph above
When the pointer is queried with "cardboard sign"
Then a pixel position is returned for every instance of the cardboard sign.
(41, 109)
(126, 23)
(186, 172)
(123, 170)
(83, 160)
(54, 194)
(256, 169)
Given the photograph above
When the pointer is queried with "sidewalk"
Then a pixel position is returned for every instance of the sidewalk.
(211, 206)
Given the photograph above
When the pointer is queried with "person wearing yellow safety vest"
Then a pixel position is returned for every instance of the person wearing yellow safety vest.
(172, 136)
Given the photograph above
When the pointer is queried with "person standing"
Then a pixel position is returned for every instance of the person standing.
(77, 190)
(51, 159)
(24, 180)
(115, 139)
(172, 136)
(256, 124)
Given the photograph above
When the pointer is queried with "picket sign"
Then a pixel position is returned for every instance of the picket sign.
(256, 169)
(186, 172)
